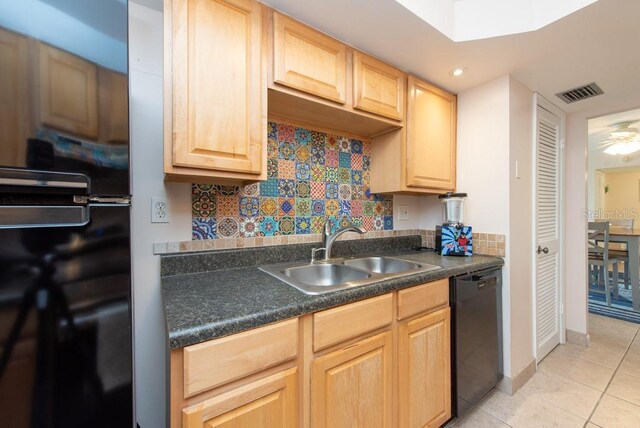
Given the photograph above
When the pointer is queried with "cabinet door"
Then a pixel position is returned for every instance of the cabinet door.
(14, 96)
(113, 101)
(219, 111)
(377, 87)
(431, 137)
(424, 376)
(352, 386)
(308, 60)
(68, 92)
(265, 403)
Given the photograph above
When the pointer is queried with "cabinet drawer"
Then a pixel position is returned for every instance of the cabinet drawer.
(213, 363)
(418, 299)
(345, 322)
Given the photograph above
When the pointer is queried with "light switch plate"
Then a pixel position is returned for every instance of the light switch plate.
(403, 212)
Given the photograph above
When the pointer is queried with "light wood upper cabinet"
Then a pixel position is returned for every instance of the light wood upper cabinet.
(14, 94)
(421, 157)
(377, 87)
(352, 386)
(308, 60)
(216, 92)
(68, 87)
(264, 403)
(431, 137)
(424, 371)
(113, 106)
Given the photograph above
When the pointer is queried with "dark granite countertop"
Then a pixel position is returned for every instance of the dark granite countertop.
(201, 306)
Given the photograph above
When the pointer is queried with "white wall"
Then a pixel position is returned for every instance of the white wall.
(576, 172)
(483, 173)
(598, 159)
(145, 26)
(519, 244)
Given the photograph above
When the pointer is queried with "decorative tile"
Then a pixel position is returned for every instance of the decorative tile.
(302, 136)
(356, 161)
(344, 175)
(287, 225)
(228, 206)
(344, 144)
(312, 177)
(249, 227)
(317, 173)
(317, 155)
(203, 228)
(286, 207)
(303, 207)
(303, 225)
(331, 174)
(344, 192)
(203, 205)
(286, 133)
(228, 227)
(268, 207)
(269, 187)
(331, 190)
(318, 190)
(286, 150)
(286, 188)
(303, 153)
(344, 160)
(303, 171)
(317, 207)
(303, 189)
(286, 169)
(226, 190)
(331, 207)
(331, 158)
(378, 222)
(250, 190)
(272, 168)
(249, 206)
(356, 146)
(345, 207)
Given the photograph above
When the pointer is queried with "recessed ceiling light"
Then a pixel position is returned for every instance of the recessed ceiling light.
(457, 72)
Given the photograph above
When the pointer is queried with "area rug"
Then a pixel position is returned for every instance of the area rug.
(621, 308)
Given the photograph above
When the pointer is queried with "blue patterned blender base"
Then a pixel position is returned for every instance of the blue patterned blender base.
(456, 241)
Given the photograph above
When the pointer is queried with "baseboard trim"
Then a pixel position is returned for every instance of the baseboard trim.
(512, 385)
(578, 338)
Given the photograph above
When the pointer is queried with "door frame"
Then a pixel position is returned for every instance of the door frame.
(540, 101)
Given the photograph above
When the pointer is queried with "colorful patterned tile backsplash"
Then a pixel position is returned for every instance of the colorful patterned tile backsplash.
(311, 177)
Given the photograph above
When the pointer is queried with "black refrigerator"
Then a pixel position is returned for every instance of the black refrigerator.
(66, 340)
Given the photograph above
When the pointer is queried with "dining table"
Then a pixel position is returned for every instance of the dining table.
(630, 237)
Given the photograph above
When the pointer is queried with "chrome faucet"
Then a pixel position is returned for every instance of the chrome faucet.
(328, 238)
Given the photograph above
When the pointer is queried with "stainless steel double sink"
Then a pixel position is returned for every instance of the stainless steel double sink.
(337, 274)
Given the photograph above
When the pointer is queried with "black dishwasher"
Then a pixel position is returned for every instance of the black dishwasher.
(477, 336)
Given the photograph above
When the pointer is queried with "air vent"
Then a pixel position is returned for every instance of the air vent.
(580, 93)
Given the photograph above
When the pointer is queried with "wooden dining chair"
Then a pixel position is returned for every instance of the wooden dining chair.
(600, 260)
(620, 251)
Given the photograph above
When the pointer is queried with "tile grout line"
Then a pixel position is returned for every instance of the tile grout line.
(611, 379)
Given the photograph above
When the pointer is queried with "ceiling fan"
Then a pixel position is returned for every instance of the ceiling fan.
(623, 140)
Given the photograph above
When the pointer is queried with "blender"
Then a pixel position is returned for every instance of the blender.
(453, 238)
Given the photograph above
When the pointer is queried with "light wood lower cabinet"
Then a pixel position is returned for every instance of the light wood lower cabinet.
(424, 370)
(390, 367)
(352, 386)
(268, 402)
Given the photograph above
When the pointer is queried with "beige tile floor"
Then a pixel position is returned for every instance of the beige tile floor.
(592, 387)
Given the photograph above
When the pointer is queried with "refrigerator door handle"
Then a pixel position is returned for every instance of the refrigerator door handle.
(25, 216)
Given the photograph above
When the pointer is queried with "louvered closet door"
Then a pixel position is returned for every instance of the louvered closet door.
(547, 225)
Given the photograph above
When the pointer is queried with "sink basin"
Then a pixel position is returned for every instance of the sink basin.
(324, 274)
(338, 274)
(383, 264)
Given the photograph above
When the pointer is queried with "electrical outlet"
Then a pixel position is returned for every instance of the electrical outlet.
(403, 212)
(159, 210)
